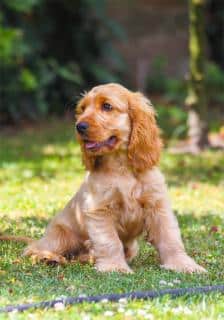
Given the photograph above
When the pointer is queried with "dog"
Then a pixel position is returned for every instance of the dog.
(123, 195)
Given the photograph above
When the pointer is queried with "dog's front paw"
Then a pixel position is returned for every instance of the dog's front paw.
(183, 264)
(112, 267)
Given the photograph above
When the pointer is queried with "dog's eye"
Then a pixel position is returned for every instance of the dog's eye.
(80, 109)
(107, 107)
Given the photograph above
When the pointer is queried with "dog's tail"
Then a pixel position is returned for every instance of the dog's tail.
(24, 239)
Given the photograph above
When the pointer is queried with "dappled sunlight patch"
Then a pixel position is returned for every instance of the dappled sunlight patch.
(200, 199)
(15, 214)
(37, 195)
(206, 167)
(68, 150)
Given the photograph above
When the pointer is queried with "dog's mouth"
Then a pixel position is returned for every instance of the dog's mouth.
(97, 145)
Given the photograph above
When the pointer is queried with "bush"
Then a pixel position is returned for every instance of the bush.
(215, 83)
(156, 81)
(159, 82)
(173, 121)
(49, 51)
(175, 90)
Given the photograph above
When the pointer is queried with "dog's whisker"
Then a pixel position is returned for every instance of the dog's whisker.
(83, 94)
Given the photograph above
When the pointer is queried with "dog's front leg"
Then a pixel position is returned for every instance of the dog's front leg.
(163, 232)
(108, 248)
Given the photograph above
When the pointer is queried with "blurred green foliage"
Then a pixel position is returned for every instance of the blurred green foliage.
(175, 90)
(156, 80)
(215, 83)
(172, 121)
(172, 116)
(49, 51)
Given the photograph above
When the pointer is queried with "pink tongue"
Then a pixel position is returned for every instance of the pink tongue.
(91, 144)
(111, 141)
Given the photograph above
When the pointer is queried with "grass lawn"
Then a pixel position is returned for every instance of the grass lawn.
(40, 169)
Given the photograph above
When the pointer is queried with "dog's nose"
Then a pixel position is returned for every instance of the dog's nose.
(82, 127)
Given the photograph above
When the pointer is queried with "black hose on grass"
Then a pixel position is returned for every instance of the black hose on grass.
(115, 297)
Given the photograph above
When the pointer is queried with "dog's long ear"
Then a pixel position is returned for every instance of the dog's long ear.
(145, 143)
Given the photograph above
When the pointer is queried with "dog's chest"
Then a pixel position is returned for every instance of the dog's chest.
(119, 196)
(127, 210)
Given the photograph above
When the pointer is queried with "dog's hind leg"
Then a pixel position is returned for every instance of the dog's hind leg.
(61, 238)
(57, 241)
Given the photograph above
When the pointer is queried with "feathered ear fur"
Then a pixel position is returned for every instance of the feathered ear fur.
(145, 143)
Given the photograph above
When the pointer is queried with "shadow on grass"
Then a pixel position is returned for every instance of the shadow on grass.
(30, 142)
(203, 238)
(46, 150)
(206, 167)
(21, 280)
(192, 226)
(40, 152)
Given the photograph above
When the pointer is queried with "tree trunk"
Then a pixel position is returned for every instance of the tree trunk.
(196, 100)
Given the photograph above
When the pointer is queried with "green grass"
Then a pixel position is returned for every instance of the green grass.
(40, 169)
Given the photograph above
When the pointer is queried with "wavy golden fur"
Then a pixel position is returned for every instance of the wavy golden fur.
(123, 194)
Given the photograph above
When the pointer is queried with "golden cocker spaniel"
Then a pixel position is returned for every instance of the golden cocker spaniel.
(123, 194)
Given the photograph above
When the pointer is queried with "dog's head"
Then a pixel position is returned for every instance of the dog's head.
(111, 118)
